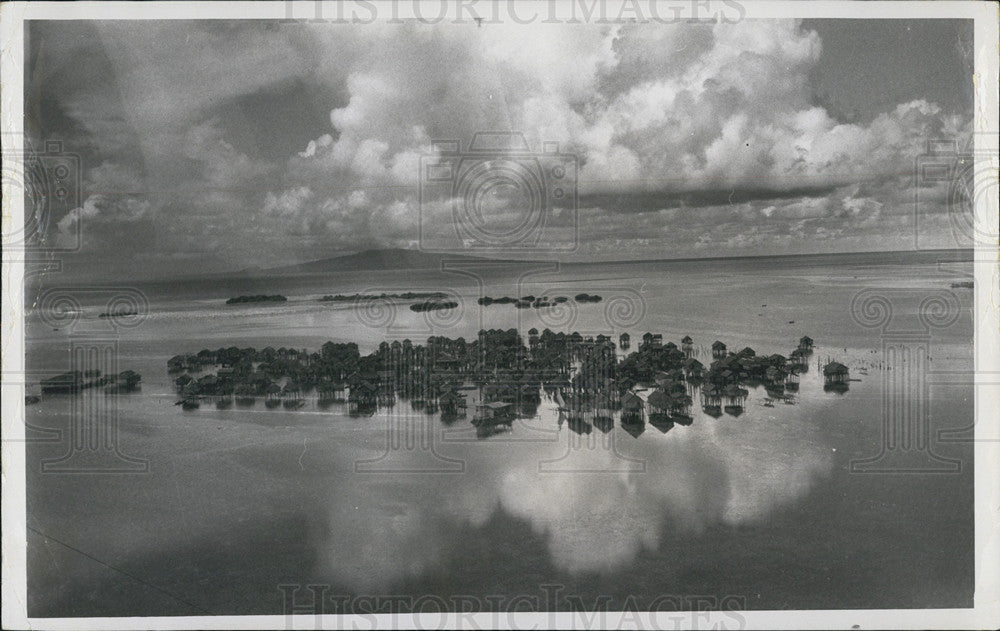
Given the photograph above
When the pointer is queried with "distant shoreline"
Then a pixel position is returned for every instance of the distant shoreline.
(956, 255)
(894, 257)
(249, 299)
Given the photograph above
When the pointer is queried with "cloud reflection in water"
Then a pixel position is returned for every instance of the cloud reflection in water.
(593, 515)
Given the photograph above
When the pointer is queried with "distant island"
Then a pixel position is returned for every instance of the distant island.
(526, 302)
(433, 305)
(123, 313)
(257, 298)
(410, 295)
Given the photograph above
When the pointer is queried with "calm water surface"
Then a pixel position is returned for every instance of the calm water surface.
(761, 507)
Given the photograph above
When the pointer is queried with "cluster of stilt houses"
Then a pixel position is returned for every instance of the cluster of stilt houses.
(497, 377)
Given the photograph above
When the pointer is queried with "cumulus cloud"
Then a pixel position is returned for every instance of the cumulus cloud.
(716, 120)
(115, 206)
(648, 109)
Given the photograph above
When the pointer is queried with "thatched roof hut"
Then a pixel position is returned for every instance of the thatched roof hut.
(693, 367)
(777, 360)
(799, 358)
(775, 375)
(660, 401)
(735, 396)
(651, 340)
(711, 396)
(494, 411)
(630, 401)
(450, 401)
(835, 372)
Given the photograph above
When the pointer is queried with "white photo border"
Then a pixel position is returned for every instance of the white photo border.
(986, 610)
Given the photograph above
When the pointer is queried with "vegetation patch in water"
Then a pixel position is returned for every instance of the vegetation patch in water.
(433, 305)
(523, 302)
(410, 295)
(256, 298)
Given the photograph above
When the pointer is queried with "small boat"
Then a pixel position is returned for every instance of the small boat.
(190, 404)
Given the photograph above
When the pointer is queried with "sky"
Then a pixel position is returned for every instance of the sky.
(213, 146)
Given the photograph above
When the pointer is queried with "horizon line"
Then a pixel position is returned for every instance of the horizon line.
(263, 271)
